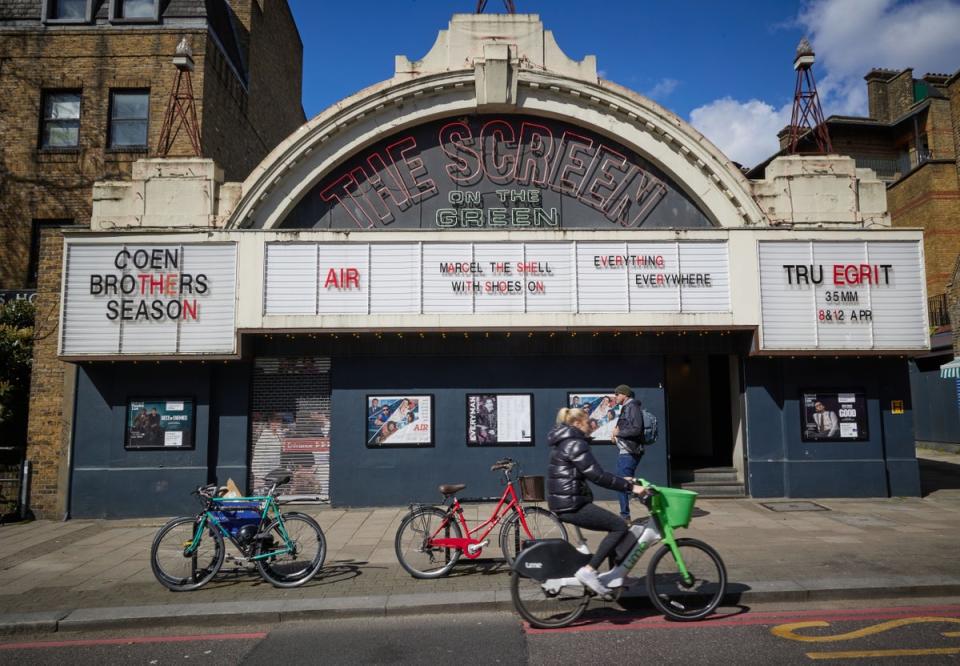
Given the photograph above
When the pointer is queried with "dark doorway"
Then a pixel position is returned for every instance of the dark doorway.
(699, 408)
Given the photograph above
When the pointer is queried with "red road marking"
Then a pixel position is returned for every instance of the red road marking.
(132, 640)
(753, 618)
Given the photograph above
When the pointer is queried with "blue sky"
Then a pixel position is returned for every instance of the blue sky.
(725, 66)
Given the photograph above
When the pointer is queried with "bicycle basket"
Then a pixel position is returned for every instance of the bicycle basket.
(675, 505)
(531, 488)
(234, 514)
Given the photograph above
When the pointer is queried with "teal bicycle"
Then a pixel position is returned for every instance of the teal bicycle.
(287, 549)
(686, 579)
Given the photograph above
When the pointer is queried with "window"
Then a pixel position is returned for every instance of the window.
(135, 10)
(67, 11)
(129, 111)
(60, 119)
(34, 265)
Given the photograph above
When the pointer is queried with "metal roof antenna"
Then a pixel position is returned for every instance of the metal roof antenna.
(181, 108)
(807, 115)
(507, 4)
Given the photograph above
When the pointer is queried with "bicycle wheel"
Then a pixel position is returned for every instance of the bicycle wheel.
(416, 555)
(175, 567)
(543, 524)
(683, 601)
(547, 609)
(307, 545)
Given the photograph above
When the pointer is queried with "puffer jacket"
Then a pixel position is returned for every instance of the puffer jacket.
(571, 465)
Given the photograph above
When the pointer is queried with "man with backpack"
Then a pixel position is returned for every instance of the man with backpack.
(629, 436)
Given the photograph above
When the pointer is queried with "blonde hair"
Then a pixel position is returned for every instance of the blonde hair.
(570, 415)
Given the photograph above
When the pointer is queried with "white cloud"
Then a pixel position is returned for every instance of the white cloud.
(850, 38)
(746, 132)
(662, 89)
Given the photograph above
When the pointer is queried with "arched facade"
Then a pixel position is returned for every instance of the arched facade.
(675, 148)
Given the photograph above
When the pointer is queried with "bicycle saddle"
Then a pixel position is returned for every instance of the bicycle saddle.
(448, 489)
(278, 476)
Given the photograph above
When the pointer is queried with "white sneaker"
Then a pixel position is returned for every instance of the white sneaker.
(589, 578)
(618, 581)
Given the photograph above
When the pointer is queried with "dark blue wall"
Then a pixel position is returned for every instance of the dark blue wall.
(110, 481)
(780, 464)
(936, 414)
(363, 477)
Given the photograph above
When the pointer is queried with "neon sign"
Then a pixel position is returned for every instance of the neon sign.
(496, 172)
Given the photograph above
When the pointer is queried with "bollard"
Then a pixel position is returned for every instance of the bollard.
(25, 489)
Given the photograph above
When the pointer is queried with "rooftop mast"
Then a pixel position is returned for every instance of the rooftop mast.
(807, 115)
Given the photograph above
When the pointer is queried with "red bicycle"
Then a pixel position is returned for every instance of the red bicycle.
(430, 539)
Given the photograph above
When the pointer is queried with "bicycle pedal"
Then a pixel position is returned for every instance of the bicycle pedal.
(475, 548)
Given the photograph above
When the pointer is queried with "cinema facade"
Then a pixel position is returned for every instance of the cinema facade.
(412, 284)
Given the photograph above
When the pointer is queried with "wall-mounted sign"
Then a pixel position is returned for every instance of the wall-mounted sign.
(834, 417)
(149, 298)
(395, 420)
(498, 419)
(602, 410)
(160, 424)
(495, 172)
(560, 277)
(842, 295)
(11, 295)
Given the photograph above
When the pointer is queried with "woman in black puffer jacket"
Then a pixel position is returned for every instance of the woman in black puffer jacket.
(571, 465)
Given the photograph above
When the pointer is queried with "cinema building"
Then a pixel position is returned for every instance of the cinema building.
(411, 285)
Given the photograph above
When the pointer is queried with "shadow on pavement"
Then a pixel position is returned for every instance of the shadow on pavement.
(938, 475)
(481, 566)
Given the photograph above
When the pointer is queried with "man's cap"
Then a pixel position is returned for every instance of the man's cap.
(624, 390)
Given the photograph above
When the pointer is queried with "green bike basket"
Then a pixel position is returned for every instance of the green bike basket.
(675, 505)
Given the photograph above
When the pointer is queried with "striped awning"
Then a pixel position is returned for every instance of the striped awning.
(951, 370)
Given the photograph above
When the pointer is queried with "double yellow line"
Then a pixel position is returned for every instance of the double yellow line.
(789, 632)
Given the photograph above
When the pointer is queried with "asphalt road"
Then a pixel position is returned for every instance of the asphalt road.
(908, 631)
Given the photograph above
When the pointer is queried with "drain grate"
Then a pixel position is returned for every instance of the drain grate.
(781, 507)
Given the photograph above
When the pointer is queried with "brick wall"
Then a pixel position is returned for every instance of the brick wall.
(273, 109)
(48, 432)
(58, 184)
(930, 198)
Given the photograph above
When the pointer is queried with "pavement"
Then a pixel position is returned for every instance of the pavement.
(95, 574)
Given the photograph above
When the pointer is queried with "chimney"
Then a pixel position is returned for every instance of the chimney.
(878, 104)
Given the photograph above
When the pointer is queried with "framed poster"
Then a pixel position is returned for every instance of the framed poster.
(399, 421)
(159, 423)
(834, 416)
(602, 410)
(499, 419)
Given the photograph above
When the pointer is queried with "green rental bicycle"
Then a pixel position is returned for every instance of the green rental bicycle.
(287, 549)
(686, 578)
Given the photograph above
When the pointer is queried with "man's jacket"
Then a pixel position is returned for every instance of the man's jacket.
(630, 427)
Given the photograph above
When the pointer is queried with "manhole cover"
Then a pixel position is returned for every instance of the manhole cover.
(793, 506)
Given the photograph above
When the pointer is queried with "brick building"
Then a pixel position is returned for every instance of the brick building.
(84, 85)
(911, 140)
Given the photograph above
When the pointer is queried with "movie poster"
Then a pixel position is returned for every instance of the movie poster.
(399, 420)
(834, 417)
(499, 419)
(160, 424)
(602, 410)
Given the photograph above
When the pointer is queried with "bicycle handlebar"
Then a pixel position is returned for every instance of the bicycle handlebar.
(505, 464)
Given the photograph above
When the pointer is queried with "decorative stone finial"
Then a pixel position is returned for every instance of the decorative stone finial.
(183, 48)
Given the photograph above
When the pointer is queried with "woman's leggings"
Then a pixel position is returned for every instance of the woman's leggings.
(592, 517)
